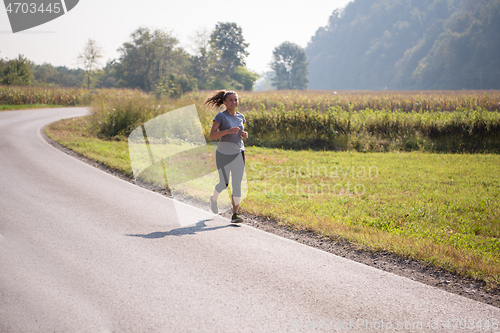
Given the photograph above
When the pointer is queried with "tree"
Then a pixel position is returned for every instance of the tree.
(290, 67)
(16, 72)
(149, 58)
(203, 60)
(173, 86)
(2, 68)
(408, 44)
(245, 77)
(218, 60)
(465, 54)
(70, 77)
(90, 58)
(265, 82)
(229, 46)
(48, 75)
(108, 78)
(45, 74)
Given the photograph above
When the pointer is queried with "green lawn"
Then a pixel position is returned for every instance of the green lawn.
(443, 209)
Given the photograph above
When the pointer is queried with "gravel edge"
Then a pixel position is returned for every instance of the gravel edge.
(389, 262)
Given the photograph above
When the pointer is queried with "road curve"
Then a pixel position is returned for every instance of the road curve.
(83, 251)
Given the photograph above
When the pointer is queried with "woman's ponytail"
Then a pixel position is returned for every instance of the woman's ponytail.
(219, 97)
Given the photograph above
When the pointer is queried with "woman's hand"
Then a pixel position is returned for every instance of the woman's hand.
(216, 134)
(244, 134)
(233, 130)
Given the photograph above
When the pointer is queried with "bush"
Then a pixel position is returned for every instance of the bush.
(120, 115)
(370, 130)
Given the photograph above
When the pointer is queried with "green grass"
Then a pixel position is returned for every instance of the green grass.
(72, 133)
(443, 209)
(6, 107)
(440, 208)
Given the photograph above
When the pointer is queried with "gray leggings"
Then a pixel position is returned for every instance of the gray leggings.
(230, 164)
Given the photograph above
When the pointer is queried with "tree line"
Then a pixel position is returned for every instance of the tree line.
(408, 44)
(153, 61)
(370, 44)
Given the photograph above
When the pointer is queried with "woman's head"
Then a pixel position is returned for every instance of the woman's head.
(220, 97)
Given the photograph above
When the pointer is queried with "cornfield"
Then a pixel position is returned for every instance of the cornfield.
(377, 130)
(406, 101)
(14, 95)
(362, 121)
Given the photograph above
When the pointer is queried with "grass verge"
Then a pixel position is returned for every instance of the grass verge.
(6, 107)
(443, 209)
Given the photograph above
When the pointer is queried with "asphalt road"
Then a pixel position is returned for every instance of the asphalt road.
(83, 251)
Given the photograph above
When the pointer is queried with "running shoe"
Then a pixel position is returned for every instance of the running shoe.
(236, 218)
(213, 206)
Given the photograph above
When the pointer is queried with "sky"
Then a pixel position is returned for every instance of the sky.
(265, 25)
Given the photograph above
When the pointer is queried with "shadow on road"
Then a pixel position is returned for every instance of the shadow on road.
(191, 230)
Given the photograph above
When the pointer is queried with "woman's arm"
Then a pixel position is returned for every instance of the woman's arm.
(215, 133)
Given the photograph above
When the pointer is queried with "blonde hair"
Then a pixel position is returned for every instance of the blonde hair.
(219, 97)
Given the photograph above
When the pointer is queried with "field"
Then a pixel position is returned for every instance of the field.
(406, 101)
(320, 101)
(326, 121)
(466, 122)
(13, 97)
(441, 208)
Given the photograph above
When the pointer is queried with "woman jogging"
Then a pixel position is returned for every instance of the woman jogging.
(230, 155)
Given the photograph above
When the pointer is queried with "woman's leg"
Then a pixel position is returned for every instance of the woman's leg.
(237, 171)
(222, 162)
(224, 165)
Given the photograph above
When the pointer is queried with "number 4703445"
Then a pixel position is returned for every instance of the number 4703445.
(25, 8)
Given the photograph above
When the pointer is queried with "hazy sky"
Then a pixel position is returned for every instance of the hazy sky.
(265, 24)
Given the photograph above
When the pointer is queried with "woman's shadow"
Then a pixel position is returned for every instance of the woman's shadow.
(198, 227)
